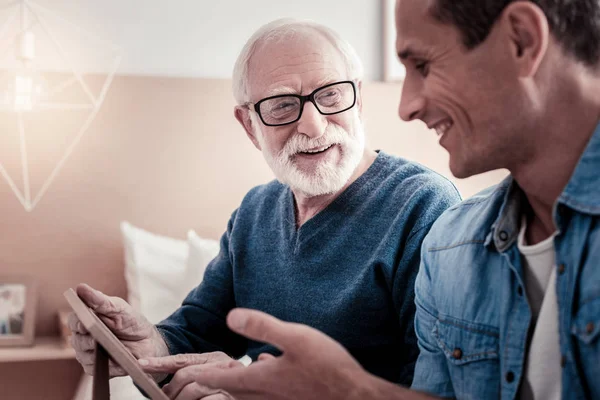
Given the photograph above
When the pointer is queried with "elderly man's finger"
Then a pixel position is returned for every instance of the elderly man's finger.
(97, 301)
(85, 358)
(188, 375)
(115, 369)
(83, 343)
(249, 381)
(264, 328)
(193, 391)
(172, 364)
(217, 396)
(75, 324)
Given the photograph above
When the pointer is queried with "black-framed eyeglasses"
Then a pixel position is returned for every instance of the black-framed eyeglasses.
(284, 109)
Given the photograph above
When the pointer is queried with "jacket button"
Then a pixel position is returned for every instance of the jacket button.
(561, 269)
(520, 291)
(589, 328)
(457, 354)
(503, 235)
(510, 376)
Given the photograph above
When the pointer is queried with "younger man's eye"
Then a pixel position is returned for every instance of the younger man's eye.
(422, 67)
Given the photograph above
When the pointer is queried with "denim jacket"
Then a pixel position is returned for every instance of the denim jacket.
(473, 317)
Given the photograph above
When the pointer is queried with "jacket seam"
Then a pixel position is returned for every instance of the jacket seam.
(474, 241)
(468, 328)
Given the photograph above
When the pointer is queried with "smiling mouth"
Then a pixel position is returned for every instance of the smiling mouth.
(443, 127)
(317, 150)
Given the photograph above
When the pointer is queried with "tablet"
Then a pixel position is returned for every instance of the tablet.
(113, 346)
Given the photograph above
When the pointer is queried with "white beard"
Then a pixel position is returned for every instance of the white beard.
(328, 177)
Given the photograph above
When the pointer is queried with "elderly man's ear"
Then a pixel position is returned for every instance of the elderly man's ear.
(359, 97)
(242, 114)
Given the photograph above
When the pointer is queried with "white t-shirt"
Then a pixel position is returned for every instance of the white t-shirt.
(542, 378)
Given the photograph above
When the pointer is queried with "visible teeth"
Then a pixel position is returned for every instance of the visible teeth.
(443, 128)
(318, 150)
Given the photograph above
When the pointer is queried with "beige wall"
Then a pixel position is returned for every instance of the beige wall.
(165, 154)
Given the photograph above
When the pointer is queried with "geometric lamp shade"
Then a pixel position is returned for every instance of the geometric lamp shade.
(54, 77)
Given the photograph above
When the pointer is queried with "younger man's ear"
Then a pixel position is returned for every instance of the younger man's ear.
(529, 34)
(242, 114)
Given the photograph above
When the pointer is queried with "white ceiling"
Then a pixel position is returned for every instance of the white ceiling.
(201, 38)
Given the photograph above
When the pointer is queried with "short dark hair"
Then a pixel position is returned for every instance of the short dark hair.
(575, 24)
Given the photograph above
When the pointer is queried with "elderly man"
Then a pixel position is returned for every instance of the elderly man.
(508, 294)
(334, 243)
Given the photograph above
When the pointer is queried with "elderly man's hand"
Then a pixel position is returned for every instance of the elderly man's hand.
(313, 366)
(129, 326)
(187, 367)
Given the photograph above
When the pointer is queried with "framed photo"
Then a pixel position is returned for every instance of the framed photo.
(18, 303)
(393, 70)
(108, 344)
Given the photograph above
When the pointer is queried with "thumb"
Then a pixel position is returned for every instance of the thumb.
(96, 300)
(262, 327)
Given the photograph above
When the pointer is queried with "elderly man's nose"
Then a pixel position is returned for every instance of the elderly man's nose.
(312, 123)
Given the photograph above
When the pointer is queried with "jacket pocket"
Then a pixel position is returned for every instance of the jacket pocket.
(471, 352)
(586, 324)
(464, 342)
(586, 328)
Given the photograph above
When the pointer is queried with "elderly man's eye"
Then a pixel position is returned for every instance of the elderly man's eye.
(329, 98)
(284, 105)
(279, 108)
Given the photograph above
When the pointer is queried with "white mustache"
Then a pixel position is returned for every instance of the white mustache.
(300, 143)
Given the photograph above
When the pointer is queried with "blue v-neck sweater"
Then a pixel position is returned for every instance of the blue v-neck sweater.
(348, 272)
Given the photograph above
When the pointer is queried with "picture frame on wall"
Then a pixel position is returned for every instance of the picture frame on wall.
(393, 70)
(18, 303)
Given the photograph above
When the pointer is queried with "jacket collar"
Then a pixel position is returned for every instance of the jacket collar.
(505, 229)
(582, 193)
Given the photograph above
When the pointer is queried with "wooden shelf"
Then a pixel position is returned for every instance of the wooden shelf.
(44, 348)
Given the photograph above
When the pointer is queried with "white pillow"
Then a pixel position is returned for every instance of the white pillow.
(161, 271)
(155, 271)
(201, 252)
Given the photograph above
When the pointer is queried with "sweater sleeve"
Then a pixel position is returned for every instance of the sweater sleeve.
(199, 325)
(430, 202)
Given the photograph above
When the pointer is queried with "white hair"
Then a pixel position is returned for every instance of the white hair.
(282, 28)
